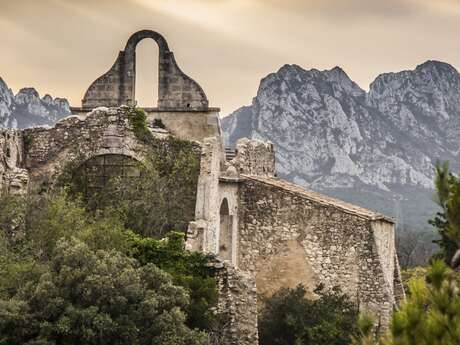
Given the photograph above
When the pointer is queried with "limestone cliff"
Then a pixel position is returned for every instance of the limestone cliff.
(26, 108)
(374, 148)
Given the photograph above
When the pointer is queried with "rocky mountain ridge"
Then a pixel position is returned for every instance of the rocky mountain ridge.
(27, 109)
(373, 148)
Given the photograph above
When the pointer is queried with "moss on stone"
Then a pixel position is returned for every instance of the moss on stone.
(138, 122)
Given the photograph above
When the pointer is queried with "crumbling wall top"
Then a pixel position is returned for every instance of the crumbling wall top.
(254, 157)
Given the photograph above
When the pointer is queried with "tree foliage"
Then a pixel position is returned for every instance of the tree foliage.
(101, 297)
(138, 120)
(447, 222)
(53, 225)
(431, 313)
(188, 269)
(161, 199)
(289, 318)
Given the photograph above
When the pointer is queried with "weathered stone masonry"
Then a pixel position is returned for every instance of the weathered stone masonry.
(289, 236)
(13, 178)
(268, 233)
(117, 86)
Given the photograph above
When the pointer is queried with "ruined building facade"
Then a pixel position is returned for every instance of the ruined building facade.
(268, 233)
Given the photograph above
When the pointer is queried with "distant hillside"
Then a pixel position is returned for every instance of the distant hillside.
(373, 148)
(27, 109)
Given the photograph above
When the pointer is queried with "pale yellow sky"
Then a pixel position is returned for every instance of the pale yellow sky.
(61, 46)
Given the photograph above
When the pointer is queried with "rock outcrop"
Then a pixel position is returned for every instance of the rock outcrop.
(374, 148)
(26, 108)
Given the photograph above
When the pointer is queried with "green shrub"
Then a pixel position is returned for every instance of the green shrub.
(158, 123)
(431, 313)
(288, 318)
(188, 269)
(101, 297)
(12, 215)
(161, 199)
(51, 218)
(138, 122)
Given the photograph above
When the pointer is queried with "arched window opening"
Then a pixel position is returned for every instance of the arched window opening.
(94, 174)
(146, 78)
(225, 233)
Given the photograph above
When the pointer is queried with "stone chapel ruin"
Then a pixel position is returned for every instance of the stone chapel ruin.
(269, 233)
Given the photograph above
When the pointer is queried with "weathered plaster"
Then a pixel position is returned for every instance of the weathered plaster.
(287, 236)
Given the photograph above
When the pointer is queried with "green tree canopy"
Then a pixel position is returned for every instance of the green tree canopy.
(447, 222)
(48, 219)
(189, 269)
(101, 297)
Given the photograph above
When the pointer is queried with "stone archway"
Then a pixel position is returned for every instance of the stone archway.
(131, 63)
(225, 231)
(176, 90)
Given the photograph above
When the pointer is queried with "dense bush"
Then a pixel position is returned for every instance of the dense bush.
(290, 318)
(138, 121)
(51, 225)
(101, 297)
(188, 269)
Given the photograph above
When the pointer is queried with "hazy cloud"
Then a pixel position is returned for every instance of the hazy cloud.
(61, 46)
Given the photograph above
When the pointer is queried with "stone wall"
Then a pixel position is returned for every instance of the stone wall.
(254, 157)
(13, 178)
(51, 151)
(288, 236)
(196, 125)
(207, 232)
(237, 306)
(191, 125)
(75, 139)
(203, 232)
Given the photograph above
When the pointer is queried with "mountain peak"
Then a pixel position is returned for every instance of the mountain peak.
(26, 109)
(437, 66)
(28, 91)
(289, 68)
(375, 148)
(3, 85)
(338, 75)
(339, 70)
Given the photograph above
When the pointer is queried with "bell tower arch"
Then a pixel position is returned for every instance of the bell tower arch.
(176, 90)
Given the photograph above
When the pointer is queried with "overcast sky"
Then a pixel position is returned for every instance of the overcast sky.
(61, 46)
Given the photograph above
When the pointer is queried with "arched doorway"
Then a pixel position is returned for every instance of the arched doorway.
(225, 231)
(146, 74)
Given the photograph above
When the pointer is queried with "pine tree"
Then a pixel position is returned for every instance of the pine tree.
(447, 221)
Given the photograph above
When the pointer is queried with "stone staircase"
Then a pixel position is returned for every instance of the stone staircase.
(229, 153)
